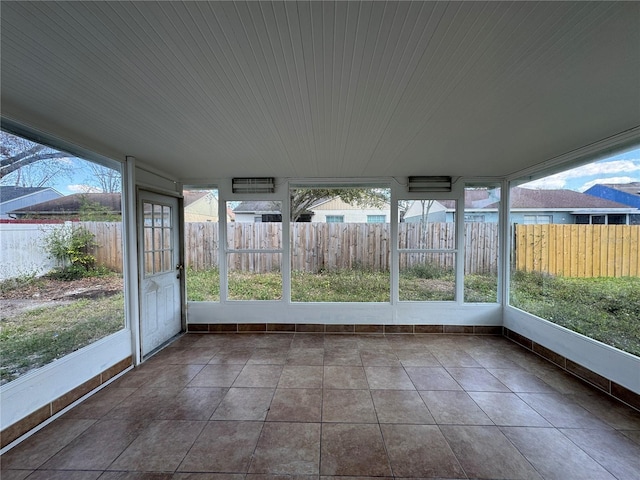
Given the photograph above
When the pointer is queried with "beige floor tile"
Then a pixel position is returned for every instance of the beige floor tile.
(98, 446)
(244, 404)
(288, 448)
(432, 378)
(507, 409)
(348, 406)
(614, 451)
(353, 449)
(484, 452)
(401, 406)
(296, 405)
(392, 378)
(554, 455)
(454, 408)
(420, 451)
(344, 377)
(301, 376)
(160, 447)
(223, 447)
(265, 376)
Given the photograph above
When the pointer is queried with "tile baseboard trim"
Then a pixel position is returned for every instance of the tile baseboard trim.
(595, 380)
(342, 328)
(44, 413)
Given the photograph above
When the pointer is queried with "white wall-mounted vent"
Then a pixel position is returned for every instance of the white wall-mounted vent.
(429, 184)
(253, 185)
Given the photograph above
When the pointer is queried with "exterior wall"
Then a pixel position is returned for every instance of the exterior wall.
(350, 216)
(351, 213)
(556, 217)
(202, 210)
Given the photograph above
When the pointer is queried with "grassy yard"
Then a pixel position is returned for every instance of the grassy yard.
(37, 337)
(606, 309)
(340, 286)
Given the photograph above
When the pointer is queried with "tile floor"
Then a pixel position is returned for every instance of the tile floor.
(256, 406)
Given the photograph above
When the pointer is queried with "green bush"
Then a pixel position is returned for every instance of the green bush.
(70, 246)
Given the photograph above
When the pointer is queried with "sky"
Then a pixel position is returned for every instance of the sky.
(620, 168)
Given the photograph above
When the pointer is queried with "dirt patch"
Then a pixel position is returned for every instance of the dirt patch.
(45, 292)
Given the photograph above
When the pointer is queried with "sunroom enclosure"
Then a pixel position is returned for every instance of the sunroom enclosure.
(455, 309)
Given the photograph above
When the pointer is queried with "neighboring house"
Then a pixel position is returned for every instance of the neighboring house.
(336, 210)
(70, 207)
(428, 211)
(333, 210)
(625, 193)
(530, 206)
(202, 206)
(13, 198)
(258, 211)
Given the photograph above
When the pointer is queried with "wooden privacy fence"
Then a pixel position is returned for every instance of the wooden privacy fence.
(569, 250)
(330, 246)
(578, 250)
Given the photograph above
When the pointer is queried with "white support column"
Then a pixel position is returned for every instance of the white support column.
(132, 293)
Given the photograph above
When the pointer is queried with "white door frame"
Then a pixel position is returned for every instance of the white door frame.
(160, 270)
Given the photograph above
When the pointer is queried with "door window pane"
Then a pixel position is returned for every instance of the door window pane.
(158, 238)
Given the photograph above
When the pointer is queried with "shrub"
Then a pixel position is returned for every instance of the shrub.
(69, 246)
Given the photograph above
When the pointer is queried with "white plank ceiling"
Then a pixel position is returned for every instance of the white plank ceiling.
(339, 89)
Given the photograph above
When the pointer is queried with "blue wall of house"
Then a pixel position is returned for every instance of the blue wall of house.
(518, 217)
(609, 193)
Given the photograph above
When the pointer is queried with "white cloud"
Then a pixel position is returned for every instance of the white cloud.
(80, 188)
(547, 183)
(604, 167)
(608, 180)
(599, 169)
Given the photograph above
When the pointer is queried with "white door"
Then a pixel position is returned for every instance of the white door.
(160, 299)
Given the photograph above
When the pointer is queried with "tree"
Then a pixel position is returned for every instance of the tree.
(303, 198)
(24, 163)
(107, 180)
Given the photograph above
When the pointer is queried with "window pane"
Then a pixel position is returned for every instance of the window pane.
(427, 276)
(61, 285)
(201, 244)
(336, 256)
(427, 224)
(481, 213)
(584, 276)
(255, 276)
(254, 227)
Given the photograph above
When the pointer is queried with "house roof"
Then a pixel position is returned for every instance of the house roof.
(9, 193)
(72, 204)
(569, 199)
(632, 188)
(257, 206)
(528, 198)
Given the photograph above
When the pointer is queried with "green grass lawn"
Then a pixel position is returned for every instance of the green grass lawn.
(341, 286)
(606, 309)
(36, 337)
